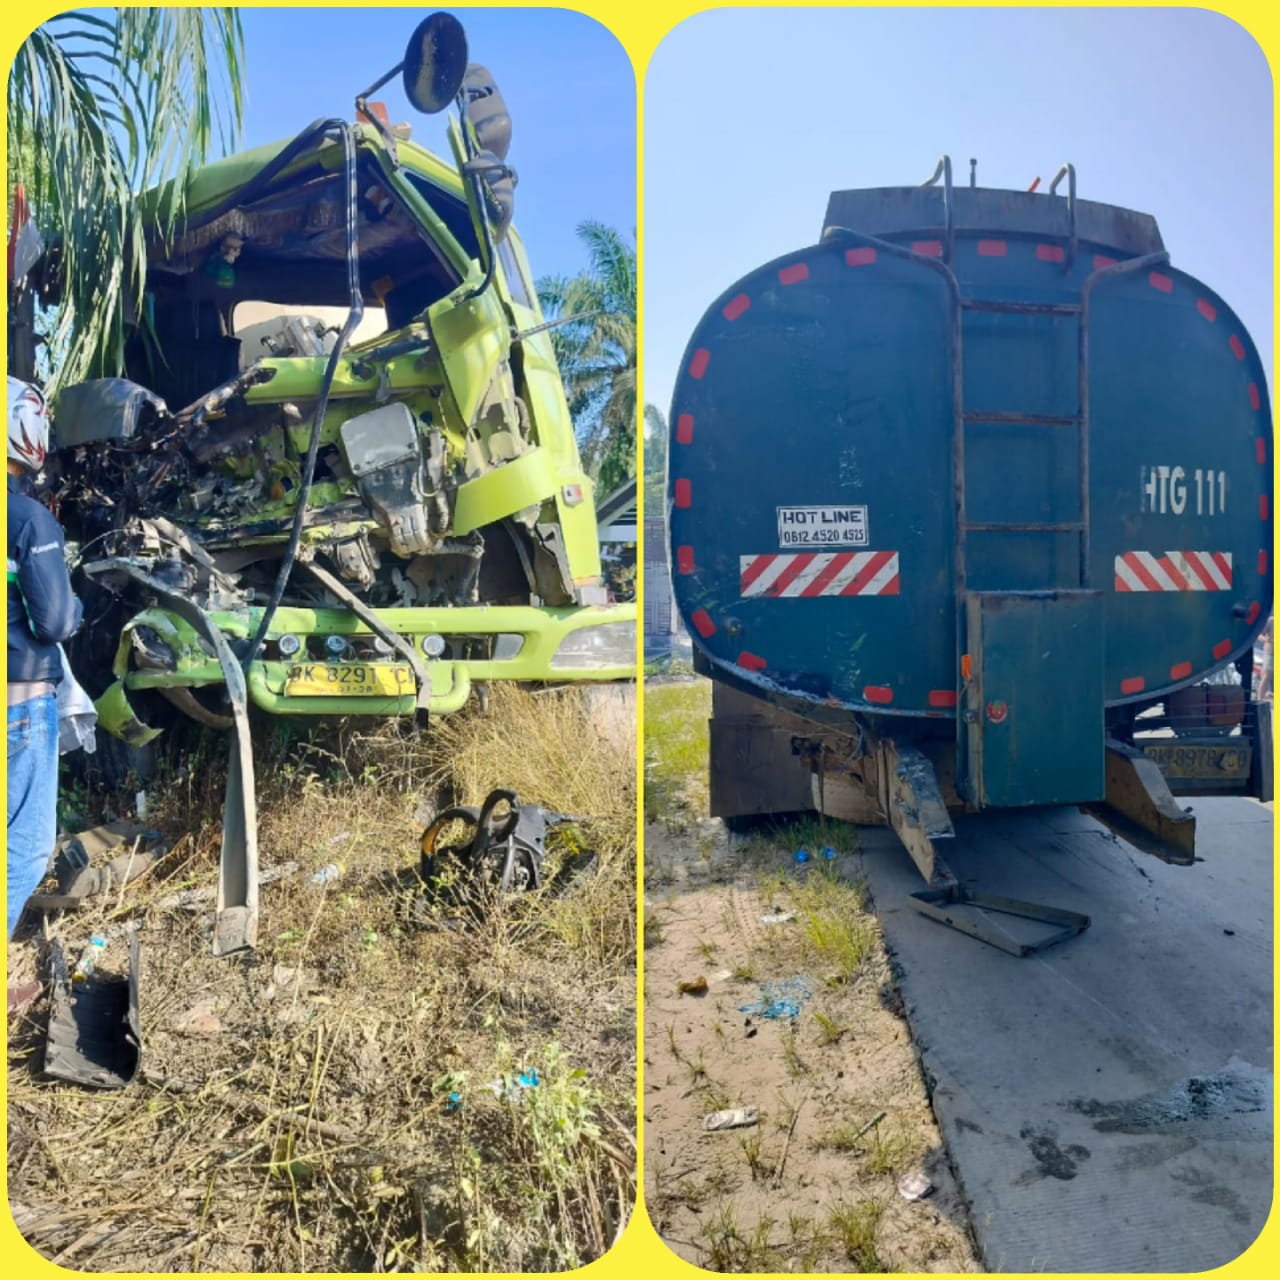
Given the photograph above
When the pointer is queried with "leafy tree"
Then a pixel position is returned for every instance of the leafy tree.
(104, 104)
(596, 349)
(655, 462)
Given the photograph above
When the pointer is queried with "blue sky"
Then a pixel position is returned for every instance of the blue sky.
(753, 116)
(567, 82)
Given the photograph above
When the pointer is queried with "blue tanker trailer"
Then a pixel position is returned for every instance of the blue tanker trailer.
(971, 506)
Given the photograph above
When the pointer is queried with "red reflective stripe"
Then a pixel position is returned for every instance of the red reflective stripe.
(1207, 309)
(878, 693)
(1262, 507)
(1180, 671)
(684, 496)
(1101, 260)
(754, 570)
(736, 307)
(1134, 684)
(701, 620)
(1260, 446)
(859, 257)
(684, 429)
(1206, 578)
(1174, 576)
(1051, 253)
(825, 576)
(927, 248)
(866, 573)
(1121, 584)
(698, 365)
(1255, 399)
(892, 587)
(752, 662)
(1162, 282)
(1262, 562)
(793, 274)
(942, 697)
(1222, 648)
(1252, 616)
(797, 566)
(684, 559)
(993, 248)
(1140, 570)
(1237, 347)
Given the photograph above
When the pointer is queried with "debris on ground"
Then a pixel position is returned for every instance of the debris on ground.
(735, 1118)
(914, 1185)
(782, 998)
(696, 987)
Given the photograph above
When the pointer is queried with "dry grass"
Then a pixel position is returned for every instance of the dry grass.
(335, 1115)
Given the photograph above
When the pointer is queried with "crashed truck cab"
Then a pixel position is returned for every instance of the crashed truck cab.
(342, 441)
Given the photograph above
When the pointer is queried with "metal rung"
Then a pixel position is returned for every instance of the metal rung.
(1001, 526)
(1021, 308)
(1025, 419)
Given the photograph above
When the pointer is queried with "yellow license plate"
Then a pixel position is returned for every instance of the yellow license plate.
(349, 680)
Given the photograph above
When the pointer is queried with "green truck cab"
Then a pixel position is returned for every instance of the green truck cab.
(342, 440)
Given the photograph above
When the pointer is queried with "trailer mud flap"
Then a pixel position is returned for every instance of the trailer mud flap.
(1141, 809)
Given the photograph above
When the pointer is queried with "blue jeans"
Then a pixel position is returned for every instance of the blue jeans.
(33, 798)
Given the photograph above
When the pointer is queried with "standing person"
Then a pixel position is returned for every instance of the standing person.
(43, 612)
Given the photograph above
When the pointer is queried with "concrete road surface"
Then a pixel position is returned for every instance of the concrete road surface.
(1107, 1103)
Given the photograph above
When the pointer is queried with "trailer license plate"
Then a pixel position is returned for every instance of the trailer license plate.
(1201, 761)
(823, 527)
(349, 680)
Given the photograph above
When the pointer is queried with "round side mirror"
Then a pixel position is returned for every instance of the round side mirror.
(435, 62)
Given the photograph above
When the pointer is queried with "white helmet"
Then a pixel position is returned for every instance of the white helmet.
(28, 425)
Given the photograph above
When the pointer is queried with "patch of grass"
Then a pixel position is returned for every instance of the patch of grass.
(676, 749)
(857, 1228)
(728, 1248)
(839, 932)
(829, 1030)
(314, 1128)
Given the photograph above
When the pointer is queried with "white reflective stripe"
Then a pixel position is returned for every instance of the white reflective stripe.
(883, 577)
(768, 577)
(13, 566)
(1211, 568)
(1128, 577)
(1156, 570)
(1179, 561)
(848, 573)
(807, 574)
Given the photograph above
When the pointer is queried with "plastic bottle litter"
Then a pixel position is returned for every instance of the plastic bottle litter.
(327, 874)
(89, 958)
(736, 1118)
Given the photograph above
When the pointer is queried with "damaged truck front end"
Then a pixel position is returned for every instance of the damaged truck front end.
(342, 435)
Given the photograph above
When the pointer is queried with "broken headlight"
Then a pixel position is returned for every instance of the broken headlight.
(597, 648)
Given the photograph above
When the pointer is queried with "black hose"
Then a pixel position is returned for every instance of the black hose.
(354, 316)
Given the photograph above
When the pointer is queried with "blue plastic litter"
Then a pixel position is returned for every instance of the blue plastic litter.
(828, 853)
(454, 1102)
(780, 999)
(802, 855)
(528, 1079)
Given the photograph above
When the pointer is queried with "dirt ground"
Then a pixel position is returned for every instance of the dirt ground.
(348, 1097)
(843, 1112)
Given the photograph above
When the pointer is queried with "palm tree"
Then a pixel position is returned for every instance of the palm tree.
(104, 104)
(596, 348)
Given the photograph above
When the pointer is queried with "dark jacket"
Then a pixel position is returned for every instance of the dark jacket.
(43, 610)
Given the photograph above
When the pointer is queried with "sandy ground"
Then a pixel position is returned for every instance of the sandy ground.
(814, 1185)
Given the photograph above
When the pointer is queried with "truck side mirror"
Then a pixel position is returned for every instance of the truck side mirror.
(435, 61)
